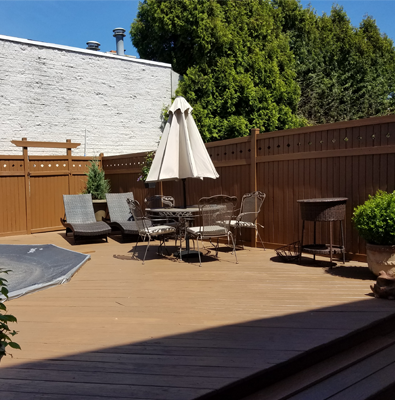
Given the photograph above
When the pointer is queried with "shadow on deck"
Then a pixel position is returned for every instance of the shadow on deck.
(174, 331)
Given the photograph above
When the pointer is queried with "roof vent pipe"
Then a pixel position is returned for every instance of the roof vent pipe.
(119, 34)
(92, 45)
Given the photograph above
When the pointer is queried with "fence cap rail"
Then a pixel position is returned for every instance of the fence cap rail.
(50, 145)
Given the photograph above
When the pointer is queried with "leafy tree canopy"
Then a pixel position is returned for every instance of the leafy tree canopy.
(268, 64)
(238, 70)
(343, 72)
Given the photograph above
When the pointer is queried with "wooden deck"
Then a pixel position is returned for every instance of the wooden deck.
(174, 330)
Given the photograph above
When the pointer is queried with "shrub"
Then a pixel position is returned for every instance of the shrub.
(6, 333)
(375, 219)
(146, 166)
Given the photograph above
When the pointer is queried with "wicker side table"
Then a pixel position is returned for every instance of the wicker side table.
(324, 210)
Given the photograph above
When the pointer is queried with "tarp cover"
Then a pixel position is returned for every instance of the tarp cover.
(36, 267)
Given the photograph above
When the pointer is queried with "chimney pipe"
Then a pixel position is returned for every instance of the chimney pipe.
(119, 34)
(92, 45)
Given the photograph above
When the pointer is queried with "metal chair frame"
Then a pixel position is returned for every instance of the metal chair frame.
(251, 204)
(215, 213)
(146, 230)
(159, 201)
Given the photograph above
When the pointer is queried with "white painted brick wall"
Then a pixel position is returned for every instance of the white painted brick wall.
(53, 93)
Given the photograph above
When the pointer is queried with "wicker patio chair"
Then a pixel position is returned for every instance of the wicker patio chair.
(80, 218)
(146, 229)
(215, 214)
(120, 216)
(251, 205)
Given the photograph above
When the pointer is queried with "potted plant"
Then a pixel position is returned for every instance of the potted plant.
(97, 185)
(6, 333)
(375, 222)
(145, 170)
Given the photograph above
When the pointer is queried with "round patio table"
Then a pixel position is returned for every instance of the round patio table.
(323, 210)
(183, 214)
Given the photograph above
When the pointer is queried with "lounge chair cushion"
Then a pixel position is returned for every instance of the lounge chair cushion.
(91, 229)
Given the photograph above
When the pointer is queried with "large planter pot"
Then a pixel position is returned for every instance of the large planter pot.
(380, 258)
(100, 209)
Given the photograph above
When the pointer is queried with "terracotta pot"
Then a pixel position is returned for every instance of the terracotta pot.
(100, 209)
(380, 258)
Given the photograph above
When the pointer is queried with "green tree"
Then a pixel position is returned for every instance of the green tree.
(97, 185)
(343, 72)
(238, 70)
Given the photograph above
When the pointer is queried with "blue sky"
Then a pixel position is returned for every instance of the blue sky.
(73, 23)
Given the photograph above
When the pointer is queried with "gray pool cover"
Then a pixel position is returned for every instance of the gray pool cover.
(36, 267)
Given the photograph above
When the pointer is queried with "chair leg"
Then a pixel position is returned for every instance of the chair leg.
(260, 239)
(180, 239)
(135, 246)
(234, 245)
(164, 245)
(146, 249)
(241, 236)
(200, 260)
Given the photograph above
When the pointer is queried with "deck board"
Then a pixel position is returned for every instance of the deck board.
(174, 330)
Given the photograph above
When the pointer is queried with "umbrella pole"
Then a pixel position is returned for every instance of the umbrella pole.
(185, 192)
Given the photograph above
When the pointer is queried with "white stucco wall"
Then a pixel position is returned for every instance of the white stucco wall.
(53, 93)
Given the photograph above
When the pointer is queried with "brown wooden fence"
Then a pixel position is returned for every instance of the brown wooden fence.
(31, 187)
(347, 159)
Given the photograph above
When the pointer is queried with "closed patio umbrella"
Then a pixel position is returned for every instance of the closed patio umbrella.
(181, 152)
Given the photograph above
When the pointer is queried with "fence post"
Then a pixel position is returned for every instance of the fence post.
(253, 174)
(27, 189)
(70, 164)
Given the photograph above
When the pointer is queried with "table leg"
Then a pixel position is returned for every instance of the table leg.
(343, 244)
(187, 252)
(330, 240)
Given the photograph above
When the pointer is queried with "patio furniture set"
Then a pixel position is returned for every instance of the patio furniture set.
(214, 216)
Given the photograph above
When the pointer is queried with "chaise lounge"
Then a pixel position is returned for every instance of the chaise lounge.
(80, 218)
(121, 219)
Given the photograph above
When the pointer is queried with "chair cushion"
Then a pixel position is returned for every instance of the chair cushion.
(159, 230)
(241, 224)
(91, 229)
(209, 231)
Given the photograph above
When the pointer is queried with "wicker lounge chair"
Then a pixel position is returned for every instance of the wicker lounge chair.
(145, 230)
(121, 218)
(215, 213)
(80, 218)
(251, 205)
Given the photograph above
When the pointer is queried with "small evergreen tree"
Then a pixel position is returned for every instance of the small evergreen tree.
(97, 185)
